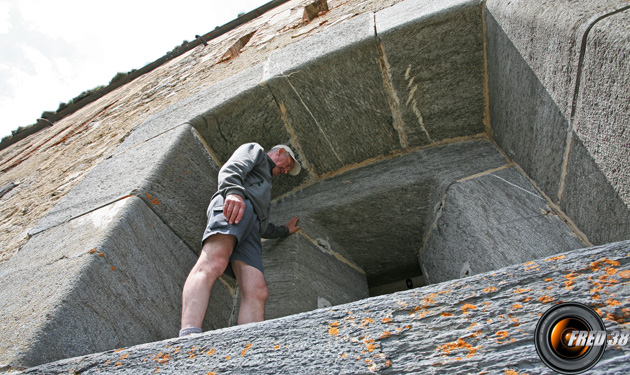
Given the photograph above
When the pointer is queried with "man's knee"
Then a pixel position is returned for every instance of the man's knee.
(258, 292)
(210, 268)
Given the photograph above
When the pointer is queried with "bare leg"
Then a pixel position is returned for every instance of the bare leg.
(254, 292)
(214, 257)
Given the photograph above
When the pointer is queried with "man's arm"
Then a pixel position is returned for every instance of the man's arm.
(279, 231)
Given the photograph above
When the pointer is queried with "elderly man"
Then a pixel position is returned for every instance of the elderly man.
(238, 216)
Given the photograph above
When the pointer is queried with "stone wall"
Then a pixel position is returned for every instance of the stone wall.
(439, 140)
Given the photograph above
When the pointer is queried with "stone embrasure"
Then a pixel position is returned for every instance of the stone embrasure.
(480, 323)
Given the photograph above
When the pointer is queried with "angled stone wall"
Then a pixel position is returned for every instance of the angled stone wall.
(394, 116)
(558, 78)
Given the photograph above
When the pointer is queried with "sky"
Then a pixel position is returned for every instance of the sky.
(51, 51)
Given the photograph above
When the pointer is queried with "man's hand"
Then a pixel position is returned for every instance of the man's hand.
(292, 225)
(233, 208)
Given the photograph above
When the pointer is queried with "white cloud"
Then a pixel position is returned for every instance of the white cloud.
(5, 24)
(65, 47)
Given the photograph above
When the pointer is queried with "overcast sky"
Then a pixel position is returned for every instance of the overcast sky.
(52, 50)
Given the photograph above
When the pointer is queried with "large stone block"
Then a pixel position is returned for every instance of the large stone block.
(484, 322)
(248, 115)
(526, 121)
(533, 51)
(491, 222)
(377, 215)
(591, 201)
(597, 191)
(435, 55)
(303, 276)
(107, 279)
(330, 86)
(173, 173)
(192, 108)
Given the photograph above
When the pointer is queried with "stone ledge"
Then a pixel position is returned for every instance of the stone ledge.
(484, 322)
(172, 173)
(96, 283)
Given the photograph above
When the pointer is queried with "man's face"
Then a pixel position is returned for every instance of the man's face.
(284, 162)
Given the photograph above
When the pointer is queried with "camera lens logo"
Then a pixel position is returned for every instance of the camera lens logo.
(570, 338)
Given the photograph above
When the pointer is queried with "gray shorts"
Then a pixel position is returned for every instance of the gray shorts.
(247, 232)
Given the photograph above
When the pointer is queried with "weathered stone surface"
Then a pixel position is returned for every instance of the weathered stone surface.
(331, 88)
(190, 109)
(527, 123)
(484, 322)
(67, 293)
(377, 215)
(591, 201)
(249, 115)
(435, 55)
(491, 222)
(597, 191)
(173, 173)
(301, 275)
(533, 56)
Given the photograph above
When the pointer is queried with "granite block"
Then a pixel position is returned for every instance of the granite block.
(67, 294)
(491, 222)
(173, 173)
(435, 56)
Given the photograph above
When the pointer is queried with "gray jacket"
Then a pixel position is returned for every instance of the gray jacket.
(248, 174)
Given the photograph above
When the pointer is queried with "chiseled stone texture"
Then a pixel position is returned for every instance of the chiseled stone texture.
(331, 87)
(591, 201)
(481, 323)
(490, 222)
(435, 54)
(67, 293)
(377, 215)
(598, 177)
(533, 53)
(173, 173)
(301, 275)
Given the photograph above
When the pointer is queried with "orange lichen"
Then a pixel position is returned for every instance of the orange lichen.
(595, 266)
(247, 347)
(333, 331)
(612, 302)
(490, 289)
(529, 263)
(445, 314)
(545, 299)
(386, 320)
(211, 352)
(459, 344)
(535, 266)
(100, 254)
(517, 306)
(556, 258)
(467, 307)
(124, 356)
(548, 279)
(227, 358)
(625, 274)
(113, 268)
(367, 321)
(522, 290)
(610, 271)
(92, 251)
